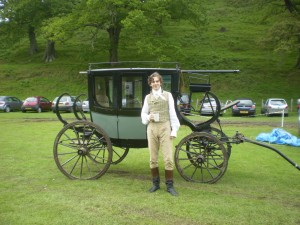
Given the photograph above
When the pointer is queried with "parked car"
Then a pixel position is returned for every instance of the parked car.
(209, 106)
(246, 106)
(85, 106)
(10, 103)
(65, 104)
(275, 106)
(183, 103)
(36, 103)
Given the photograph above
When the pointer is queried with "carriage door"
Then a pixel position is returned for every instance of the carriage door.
(103, 110)
(129, 117)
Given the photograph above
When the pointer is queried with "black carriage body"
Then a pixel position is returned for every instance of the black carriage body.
(116, 98)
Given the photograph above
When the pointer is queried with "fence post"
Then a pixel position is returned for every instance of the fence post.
(282, 118)
(299, 121)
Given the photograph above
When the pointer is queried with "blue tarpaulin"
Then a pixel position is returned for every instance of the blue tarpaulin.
(279, 136)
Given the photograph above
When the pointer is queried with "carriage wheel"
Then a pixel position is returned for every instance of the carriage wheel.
(119, 153)
(82, 150)
(201, 157)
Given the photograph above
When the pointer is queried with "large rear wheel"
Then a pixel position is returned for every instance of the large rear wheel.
(82, 150)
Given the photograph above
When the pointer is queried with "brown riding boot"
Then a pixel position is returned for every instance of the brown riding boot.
(169, 182)
(155, 180)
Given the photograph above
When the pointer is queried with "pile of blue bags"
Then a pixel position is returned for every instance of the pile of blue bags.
(279, 136)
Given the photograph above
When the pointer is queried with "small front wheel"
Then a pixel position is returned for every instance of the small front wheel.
(201, 157)
(82, 150)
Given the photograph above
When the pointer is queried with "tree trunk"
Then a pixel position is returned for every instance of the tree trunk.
(290, 6)
(49, 55)
(298, 60)
(114, 34)
(33, 49)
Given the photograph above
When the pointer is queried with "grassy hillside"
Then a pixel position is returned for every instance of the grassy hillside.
(232, 41)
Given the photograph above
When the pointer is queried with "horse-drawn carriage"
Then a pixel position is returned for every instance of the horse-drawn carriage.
(85, 149)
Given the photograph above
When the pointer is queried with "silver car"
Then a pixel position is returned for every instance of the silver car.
(274, 106)
(209, 107)
(65, 104)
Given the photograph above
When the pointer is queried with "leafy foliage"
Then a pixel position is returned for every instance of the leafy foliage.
(229, 35)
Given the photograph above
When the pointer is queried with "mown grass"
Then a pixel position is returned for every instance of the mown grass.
(259, 187)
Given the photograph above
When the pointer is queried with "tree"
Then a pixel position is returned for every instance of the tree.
(107, 15)
(23, 17)
(145, 19)
(293, 8)
(27, 17)
(284, 34)
(55, 9)
(148, 25)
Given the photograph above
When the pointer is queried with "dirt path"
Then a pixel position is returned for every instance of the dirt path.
(260, 123)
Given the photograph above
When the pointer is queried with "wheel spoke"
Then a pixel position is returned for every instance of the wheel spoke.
(74, 165)
(68, 145)
(98, 159)
(69, 160)
(119, 153)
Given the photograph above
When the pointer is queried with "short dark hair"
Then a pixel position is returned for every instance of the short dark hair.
(155, 74)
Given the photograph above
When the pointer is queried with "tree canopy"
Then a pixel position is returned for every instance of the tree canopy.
(25, 17)
(141, 22)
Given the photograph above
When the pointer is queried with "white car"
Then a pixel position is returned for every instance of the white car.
(85, 106)
(275, 106)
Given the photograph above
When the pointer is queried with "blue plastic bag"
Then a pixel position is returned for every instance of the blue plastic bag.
(279, 136)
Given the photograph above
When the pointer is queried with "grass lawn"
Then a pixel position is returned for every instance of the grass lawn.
(259, 186)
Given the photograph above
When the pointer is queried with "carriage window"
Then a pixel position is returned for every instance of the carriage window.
(167, 82)
(132, 92)
(103, 91)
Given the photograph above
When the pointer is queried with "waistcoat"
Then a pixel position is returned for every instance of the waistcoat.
(160, 106)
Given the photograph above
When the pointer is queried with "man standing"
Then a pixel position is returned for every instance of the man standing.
(159, 114)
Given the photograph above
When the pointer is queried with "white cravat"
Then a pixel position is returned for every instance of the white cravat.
(158, 93)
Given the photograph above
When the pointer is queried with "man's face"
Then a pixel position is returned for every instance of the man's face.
(155, 84)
